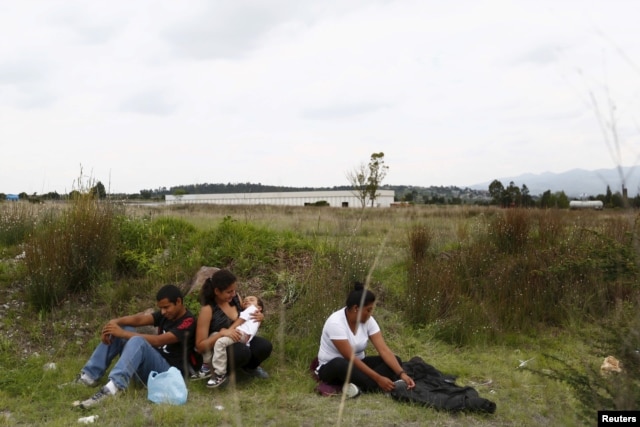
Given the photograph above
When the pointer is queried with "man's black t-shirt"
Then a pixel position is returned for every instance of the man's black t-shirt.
(184, 328)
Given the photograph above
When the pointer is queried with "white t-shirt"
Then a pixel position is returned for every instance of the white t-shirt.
(337, 328)
(250, 326)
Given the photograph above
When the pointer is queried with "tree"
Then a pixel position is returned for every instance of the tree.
(496, 190)
(366, 179)
(511, 196)
(377, 173)
(358, 178)
(607, 197)
(562, 201)
(527, 200)
(98, 191)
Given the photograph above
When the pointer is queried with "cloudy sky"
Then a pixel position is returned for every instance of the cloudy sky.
(146, 94)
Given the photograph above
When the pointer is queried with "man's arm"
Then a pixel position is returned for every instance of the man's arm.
(114, 329)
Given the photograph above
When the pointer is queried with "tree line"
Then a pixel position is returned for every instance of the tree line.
(512, 196)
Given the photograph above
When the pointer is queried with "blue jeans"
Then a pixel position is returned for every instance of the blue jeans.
(137, 357)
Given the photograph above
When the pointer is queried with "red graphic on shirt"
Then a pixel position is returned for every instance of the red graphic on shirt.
(186, 323)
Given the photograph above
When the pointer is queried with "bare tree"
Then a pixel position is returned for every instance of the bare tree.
(358, 179)
(366, 179)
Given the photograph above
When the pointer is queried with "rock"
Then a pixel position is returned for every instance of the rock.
(203, 274)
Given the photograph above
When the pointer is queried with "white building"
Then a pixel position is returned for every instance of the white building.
(345, 199)
(586, 204)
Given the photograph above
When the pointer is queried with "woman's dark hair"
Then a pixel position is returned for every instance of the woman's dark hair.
(170, 292)
(355, 296)
(260, 304)
(220, 280)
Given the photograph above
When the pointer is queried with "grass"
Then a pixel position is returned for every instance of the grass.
(443, 294)
(287, 397)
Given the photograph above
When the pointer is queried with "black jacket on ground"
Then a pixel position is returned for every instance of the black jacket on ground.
(437, 390)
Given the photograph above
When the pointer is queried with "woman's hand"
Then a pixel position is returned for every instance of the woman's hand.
(407, 379)
(385, 383)
(234, 334)
(257, 316)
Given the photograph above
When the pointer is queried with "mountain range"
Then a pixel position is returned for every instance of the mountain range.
(575, 182)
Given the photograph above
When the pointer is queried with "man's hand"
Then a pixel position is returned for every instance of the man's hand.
(110, 330)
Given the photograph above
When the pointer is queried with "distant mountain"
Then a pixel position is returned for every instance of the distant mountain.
(574, 183)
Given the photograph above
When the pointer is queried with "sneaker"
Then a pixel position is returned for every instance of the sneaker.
(351, 390)
(83, 379)
(257, 373)
(217, 380)
(96, 398)
(203, 373)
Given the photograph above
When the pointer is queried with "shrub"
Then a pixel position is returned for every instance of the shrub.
(154, 248)
(69, 251)
(247, 249)
(503, 281)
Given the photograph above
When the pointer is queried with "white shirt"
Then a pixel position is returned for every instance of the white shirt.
(337, 328)
(250, 326)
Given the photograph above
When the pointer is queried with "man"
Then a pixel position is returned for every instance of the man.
(142, 353)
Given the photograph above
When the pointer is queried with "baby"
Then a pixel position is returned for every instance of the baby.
(248, 328)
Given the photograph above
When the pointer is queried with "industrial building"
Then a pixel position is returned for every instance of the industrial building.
(344, 199)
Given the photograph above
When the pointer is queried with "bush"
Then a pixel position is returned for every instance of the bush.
(505, 281)
(149, 248)
(69, 251)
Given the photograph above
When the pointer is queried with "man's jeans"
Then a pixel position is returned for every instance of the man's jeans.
(137, 357)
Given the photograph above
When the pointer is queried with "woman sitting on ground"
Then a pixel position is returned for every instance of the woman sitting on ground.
(345, 334)
(221, 306)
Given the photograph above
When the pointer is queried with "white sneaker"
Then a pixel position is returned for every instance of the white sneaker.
(82, 378)
(96, 398)
(351, 390)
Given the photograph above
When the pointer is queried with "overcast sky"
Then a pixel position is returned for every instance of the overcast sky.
(148, 94)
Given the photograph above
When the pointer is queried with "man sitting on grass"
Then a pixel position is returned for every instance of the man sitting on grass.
(142, 353)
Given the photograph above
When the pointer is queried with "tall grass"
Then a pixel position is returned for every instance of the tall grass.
(17, 221)
(69, 251)
(526, 269)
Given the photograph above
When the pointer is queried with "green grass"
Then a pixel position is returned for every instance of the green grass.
(447, 281)
(33, 395)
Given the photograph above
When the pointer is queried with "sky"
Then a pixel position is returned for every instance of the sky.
(148, 94)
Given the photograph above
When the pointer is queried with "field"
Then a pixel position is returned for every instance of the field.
(522, 305)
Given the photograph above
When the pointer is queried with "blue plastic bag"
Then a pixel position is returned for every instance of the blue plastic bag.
(167, 387)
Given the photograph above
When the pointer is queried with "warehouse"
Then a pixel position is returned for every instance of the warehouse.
(345, 199)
